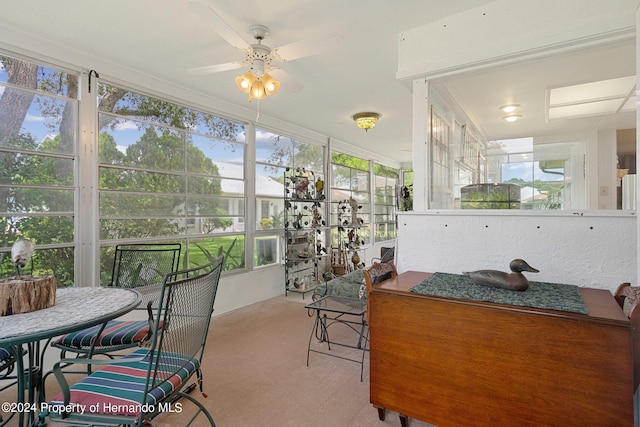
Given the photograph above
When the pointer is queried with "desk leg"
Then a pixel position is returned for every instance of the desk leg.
(314, 332)
(364, 325)
(363, 337)
(324, 331)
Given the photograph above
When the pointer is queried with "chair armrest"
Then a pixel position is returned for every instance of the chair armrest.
(620, 294)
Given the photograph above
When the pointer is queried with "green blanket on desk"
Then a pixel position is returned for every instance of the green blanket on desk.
(553, 296)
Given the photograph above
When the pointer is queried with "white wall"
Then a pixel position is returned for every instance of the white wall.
(590, 249)
(239, 290)
(607, 174)
(508, 31)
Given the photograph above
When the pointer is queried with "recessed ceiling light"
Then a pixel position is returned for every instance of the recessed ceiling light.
(509, 108)
(512, 118)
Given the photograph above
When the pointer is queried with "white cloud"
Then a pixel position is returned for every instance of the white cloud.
(126, 125)
(34, 119)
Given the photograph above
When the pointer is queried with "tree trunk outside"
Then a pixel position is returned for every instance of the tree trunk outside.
(15, 103)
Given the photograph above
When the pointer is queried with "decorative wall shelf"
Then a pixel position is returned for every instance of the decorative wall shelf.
(305, 230)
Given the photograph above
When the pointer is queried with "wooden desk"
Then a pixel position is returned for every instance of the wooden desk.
(461, 363)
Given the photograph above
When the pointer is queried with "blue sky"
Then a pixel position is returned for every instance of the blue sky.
(522, 148)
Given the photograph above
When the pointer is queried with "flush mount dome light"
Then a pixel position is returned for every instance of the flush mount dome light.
(366, 120)
(512, 117)
(509, 108)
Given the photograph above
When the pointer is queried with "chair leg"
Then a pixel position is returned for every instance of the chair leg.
(201, 409)
(404, 421)
(382, 413)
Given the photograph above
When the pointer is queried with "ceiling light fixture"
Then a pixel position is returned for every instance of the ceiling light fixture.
(366, 120)
(509, 108)
(257, 82)
(258, 87)
(512, 117)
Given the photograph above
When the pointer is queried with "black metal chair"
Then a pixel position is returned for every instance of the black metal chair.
(7, 378)
(134, 389)
(140, 266)
(7, 362)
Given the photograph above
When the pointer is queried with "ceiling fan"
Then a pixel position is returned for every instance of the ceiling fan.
(257, 81)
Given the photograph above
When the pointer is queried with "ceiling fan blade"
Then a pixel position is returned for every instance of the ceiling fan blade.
(204, 10)
(210, 69)
(288, 83)
(310, 46)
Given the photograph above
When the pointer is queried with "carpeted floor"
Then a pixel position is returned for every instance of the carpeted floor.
(255, 374)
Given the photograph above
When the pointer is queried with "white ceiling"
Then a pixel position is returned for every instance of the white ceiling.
(482, 93)
(163, 38)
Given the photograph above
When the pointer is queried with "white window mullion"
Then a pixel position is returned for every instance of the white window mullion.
(250, 194)
(87, 253)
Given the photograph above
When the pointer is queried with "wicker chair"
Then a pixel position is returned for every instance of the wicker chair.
(628, 297)
(387, 254)
(627, 294)
(139, 266)
(377, 273)
(134, 389)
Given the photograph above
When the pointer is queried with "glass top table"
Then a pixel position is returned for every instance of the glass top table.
(342, 310)
(75, 308)
(336, 304)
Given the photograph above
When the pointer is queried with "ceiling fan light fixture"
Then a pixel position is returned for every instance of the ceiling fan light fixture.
(257, 90)
(245, 81)
(257, 87)
(366, 120)
(271, 85)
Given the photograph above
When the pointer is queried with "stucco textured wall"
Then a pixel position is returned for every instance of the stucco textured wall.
(586, 249)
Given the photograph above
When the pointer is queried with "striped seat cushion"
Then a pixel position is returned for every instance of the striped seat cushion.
(119, 389)
(116, 333)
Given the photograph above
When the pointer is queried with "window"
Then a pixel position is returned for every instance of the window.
(38, 151)
(405, 193)
(441, 165)
(266, 250)
(168, 172)
(350, 180)
(542, 171)
(384, 199)
(274, 154)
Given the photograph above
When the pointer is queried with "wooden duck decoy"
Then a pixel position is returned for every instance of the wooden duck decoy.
(515, 281)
